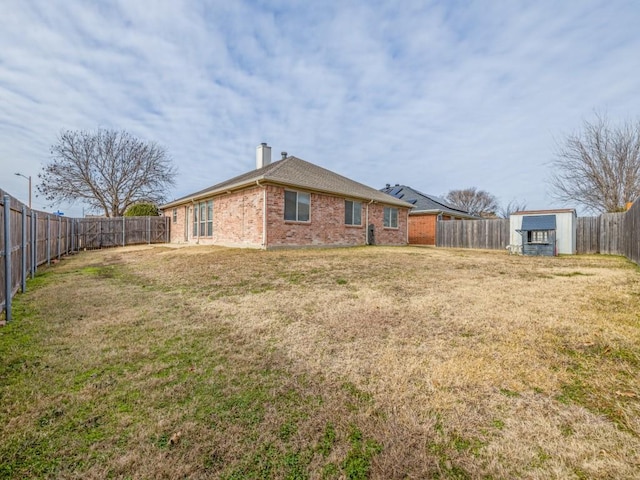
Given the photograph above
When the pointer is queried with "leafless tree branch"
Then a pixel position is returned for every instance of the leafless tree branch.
(474, 201)
(598, 167)
(107, 169)
(511, 207)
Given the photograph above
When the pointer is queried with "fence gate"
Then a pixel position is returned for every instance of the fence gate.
(89, 234)
(111, 234)
(158, 229)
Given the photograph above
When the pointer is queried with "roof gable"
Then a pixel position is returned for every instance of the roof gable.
(297, 173)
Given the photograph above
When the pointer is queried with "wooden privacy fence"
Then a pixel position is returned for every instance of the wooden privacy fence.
(488, 234)
(603, 234)
(29, 238)
(631, 244)
(120, 231)
(609, 233)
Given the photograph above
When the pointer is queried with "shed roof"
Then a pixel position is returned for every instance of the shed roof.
(425, 203)
(538, 222)
(538, 212)
(297, 173)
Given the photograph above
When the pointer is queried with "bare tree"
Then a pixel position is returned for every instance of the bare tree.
(107, 169)
(474, 201)
(599, 167)
(511, 207)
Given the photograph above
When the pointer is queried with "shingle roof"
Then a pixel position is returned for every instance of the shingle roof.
(538, 222)
(532, 212)
(424, 203)
(295, 172)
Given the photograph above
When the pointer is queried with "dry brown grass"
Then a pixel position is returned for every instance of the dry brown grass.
(459, 364)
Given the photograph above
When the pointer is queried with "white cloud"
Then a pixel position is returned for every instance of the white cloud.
(436, 95)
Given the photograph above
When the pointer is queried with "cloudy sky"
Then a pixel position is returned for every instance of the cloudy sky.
(437, 95)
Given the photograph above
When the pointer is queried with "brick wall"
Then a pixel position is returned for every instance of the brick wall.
(326, 226)
(177, 228)
(383, 235)
(422, 228)
(238, 218)
(238, 221)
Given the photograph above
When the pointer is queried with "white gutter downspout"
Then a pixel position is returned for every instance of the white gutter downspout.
(195, 228)
(264, 214)
(185, 233)
(367, 223)
(408, 226)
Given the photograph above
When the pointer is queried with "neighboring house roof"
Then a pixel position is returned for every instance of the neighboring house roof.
(297, 173)
(538, 222)
(424, 203)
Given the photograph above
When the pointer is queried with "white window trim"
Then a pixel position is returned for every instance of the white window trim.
(353, 203)
(297, 192)
(546, 236)
(197, 224)
(390, 226)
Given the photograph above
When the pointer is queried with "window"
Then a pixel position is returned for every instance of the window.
(296, 206)
(390, 219)
(203, 219)
(538, 236)
(210, 218)
(195, 221)
(352, 213)
(175, 215)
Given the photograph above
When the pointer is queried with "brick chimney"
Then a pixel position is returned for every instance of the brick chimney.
(263, 155)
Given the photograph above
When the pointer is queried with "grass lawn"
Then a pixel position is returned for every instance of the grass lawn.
(205, 362)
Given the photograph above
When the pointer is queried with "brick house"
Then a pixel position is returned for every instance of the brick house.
(288, 203)
(428, 209)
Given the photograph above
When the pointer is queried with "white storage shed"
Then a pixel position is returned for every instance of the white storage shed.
(544, 232)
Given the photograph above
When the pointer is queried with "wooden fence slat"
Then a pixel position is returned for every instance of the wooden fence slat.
(490, 234)
(631, 234)
(588, 235)
(37, 237)
(609, 233)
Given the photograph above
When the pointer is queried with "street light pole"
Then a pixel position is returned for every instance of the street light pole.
(28, 178)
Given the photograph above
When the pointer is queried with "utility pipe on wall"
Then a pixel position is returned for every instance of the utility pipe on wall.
(264, 213)
(366, 232)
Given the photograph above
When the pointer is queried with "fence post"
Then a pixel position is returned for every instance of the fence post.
(59, 235)
(123, 229)
(149, 229)
(48, 240)
(167, 226)
(72, 245)
(34, 244)
(23, 252)
(7, 257)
